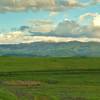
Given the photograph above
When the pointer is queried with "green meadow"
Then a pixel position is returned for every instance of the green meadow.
(23, 78)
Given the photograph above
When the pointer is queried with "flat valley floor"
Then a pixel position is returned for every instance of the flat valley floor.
(72, 78)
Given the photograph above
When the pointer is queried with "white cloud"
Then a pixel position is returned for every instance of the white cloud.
(94, 26)
(96, 20)
(41, 26)
(11, 37)
(19, 37)
(82, 17)
(53, 14)
(68, 27)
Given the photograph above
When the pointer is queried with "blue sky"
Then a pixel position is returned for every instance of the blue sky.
(66, 17)
(10, 19)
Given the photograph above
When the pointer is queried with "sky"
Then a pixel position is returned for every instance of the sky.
(24, 19)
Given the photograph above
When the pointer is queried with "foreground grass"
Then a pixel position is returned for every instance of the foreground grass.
(37, 64)
(49, 78)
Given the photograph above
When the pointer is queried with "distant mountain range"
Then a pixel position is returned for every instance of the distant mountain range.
(39, 49)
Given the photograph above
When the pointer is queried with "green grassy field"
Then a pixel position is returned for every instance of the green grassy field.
(49, 78)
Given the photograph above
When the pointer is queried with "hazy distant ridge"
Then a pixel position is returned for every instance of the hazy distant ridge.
(51, 49)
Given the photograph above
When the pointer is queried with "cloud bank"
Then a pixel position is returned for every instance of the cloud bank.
(67, 28)
(51, 5)
(19, 37)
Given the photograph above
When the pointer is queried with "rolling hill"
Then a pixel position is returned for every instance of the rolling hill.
(69, 49)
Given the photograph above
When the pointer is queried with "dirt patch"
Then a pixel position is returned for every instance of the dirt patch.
(22, 83)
